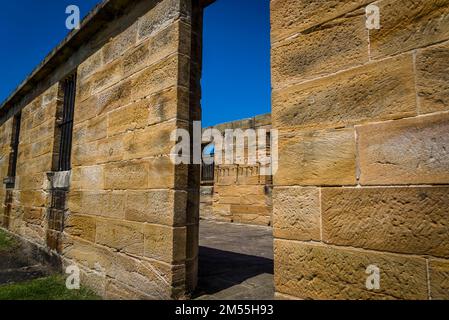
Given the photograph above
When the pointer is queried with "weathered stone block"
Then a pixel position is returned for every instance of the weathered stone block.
(88, 178)
(33, 198)
(157, 207)
(162, 15)
(114, 205)
(114, 97)
(408, 151)
(432, 67)
(168, 104)
(165, 243)
(126, 175)
(409, 25)
(292, 16)
(163, 174)
(33, 215)
(317, 158)
(121, 43)
(81, 226)
(109, 75)
(37, 181)
(85, 110)
(335, 46)
(90, 65)
(296, 213)
(150, 142)
(378, 91)
(158, 47)
(110, 149)
(121, 235)
(310, 271)
(96, 129)
(391, 219)
(85, 154)
(159, 76)
(129, 117)
(439, 279)
(86, 202)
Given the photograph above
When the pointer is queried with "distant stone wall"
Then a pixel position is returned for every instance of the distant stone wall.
(239, 192)
(363, 118)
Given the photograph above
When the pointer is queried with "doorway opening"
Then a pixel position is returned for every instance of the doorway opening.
(235, 233)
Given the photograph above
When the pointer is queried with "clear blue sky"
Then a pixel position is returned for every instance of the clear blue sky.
(236, 65)
(236, 60)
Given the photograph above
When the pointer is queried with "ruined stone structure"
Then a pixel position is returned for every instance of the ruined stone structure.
(363, 117)
(239, 192)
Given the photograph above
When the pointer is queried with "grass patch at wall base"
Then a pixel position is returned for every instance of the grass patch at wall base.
(50, 288)
(7, 242)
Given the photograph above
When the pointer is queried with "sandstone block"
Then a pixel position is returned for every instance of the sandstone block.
(129, 117)
(159, 76)
(120, 235)
(121, 43)
(404, 219)
(33, 215)
(114, 97)
(85, 154)
(432, 67)
(33, 198)
(292, 16)
(163, 174)
(310, 271)
(109, 75)
(96, 129)
(126, 175)
(439, 279)
(157, 47)
(85, 110)
(81, 226)
(378, 91)
(90, 65)
(157, 207)
(110, 149)
(408, 151)
(86, 202)
(409, 25)
(88, 178)
(296, 213)
(162, 15)
(168, 104)
(165, 243)
(149, 142)
(316, 158)
(114, 205)
(334, 46)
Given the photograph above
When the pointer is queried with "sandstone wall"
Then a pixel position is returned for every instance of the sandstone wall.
(364, 138)
(125, 223)
(31, 194)
(239, 192)
(5, 150)
(127, 200)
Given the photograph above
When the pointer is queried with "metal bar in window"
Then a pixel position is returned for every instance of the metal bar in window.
(66, 125)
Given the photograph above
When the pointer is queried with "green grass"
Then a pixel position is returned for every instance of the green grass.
(7, 242)
(50, 288)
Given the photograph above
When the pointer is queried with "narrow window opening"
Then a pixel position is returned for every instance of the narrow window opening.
(66, 125)
(208, 167)
(15, 138)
